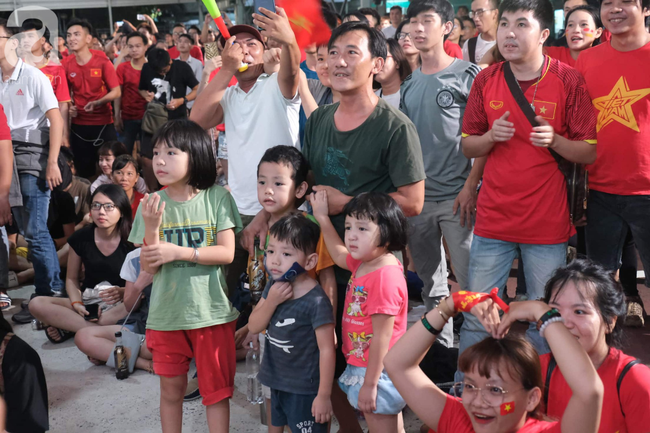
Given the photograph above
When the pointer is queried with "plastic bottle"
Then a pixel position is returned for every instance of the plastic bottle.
(254, 391)
(121, 361)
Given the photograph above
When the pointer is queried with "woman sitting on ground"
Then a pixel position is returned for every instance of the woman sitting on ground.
(107, 154)
(503, 384)
(101, 249)
(126, 174)
(98, 341)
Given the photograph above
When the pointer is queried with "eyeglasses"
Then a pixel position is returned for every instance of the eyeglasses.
(479, 12)
(401, 36)
(5, 37)
(108, 207)
(493, 395)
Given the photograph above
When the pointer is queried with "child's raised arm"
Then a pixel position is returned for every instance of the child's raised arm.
(335, 245)
(261, 315)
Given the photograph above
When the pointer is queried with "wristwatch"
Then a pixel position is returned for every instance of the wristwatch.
(184, 100)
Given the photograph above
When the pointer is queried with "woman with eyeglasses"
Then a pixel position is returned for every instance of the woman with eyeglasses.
(396, 69)
(100, 250)
(456, 32)
(503, 386)
(404, 38)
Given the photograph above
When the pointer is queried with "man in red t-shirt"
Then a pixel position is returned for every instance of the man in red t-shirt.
(35, 55)
(94, 86)
(179, 29)
(616, 73)
(522, 206)
(6, 176)
(130, 107)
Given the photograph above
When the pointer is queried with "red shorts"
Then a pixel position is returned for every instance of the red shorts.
(213, 349)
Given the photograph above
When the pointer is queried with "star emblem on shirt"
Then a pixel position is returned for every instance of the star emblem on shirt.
(617, 106)
(542, 110)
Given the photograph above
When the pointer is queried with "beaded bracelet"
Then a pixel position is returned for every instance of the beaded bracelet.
(553, 312)
(548, 322)
(428, 325)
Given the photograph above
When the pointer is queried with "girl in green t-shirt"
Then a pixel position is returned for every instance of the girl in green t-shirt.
(188, 236)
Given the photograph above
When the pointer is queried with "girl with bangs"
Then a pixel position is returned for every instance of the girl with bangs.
(502, 391)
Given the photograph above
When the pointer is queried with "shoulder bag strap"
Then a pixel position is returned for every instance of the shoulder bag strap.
(620, 380)
(549, 372)
(523, 103)
(471, 48)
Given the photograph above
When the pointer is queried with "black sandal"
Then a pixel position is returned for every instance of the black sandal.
(63, 335)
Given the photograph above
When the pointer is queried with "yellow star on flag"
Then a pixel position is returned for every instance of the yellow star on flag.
(617, 106)
(542, 110)
(508, 408)
(301, 21)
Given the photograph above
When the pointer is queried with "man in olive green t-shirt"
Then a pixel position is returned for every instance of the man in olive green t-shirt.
(358, 145)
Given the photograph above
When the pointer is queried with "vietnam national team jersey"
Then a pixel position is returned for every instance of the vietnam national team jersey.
(133, 104)
(57, 76)
(634, 395)
(523, 198)
(5, 132)
(619, 86)
(91, 82)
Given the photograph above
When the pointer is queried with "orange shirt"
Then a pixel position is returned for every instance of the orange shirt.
(523, 198)
(619, 85)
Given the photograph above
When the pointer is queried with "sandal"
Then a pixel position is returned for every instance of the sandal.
(5, 300)
(63, 335)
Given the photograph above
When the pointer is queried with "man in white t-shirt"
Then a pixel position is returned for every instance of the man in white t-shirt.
(395, 19)
(485, 14)
(260, 111)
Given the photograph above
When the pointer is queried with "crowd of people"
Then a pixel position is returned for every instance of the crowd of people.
(140, 174)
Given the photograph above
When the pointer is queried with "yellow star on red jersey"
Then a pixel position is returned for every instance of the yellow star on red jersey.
(617, 106)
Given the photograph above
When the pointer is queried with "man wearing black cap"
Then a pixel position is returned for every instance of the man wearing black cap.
(260, 112)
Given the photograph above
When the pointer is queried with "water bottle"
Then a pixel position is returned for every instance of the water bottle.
(254, 392)
(121, 361)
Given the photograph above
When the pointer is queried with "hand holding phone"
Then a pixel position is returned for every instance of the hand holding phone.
(93, 313)
(120, 23)
(141, 17)
(266, 4)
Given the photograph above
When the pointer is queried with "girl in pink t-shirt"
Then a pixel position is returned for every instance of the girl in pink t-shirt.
(375, 301)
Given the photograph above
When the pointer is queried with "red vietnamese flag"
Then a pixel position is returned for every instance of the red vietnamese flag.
(96, 73)
(507, 408)
(307, 21)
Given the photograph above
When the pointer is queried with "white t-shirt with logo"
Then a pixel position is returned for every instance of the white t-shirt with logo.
(256, 121)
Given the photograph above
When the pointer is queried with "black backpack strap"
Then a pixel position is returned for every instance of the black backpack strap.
(549, 372)
(620, 380)
(471, 48)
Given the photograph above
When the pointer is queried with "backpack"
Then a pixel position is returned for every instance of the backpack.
(552, 364)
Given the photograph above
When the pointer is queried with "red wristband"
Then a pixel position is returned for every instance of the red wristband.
(144, 242)
(464, 300)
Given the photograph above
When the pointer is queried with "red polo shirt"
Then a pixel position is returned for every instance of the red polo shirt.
(523, 198)
(133, 104)
(91, 82)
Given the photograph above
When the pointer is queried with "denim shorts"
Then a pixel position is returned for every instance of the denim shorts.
(389, 400)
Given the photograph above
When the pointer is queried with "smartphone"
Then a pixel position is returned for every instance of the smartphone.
(141, 17)
(120, 23)
(93, 311)
(266, 4)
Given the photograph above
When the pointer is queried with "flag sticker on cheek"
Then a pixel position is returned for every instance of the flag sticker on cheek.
(589, 33)
(507, 408)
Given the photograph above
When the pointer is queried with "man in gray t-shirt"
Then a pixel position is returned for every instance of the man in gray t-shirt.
(434, 98)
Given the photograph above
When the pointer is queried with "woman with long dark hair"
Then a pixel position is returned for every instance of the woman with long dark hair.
(101, 248)
(396, 69)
